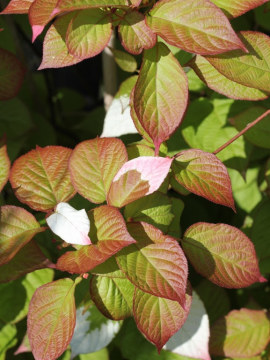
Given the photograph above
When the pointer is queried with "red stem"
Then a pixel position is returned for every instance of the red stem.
(249, 126)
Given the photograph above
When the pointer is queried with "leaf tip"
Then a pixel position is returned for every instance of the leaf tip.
(36, 31)
(262, 279)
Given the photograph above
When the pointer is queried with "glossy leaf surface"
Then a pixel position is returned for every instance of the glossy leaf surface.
(108, 233)
(242, 333)
(204, 174)
(18, 227)
(204, 32)
(234, 8)
(17, 7)
(156, 263)
(158, 318)
(11, 74)
(223, 254)
(93, 165)
(250, 69)
(135, 34)
(41, 178)
(159, 109)
(51, 319)
(4, 165)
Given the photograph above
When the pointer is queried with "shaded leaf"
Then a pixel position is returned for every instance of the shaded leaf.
(206, 31)
(51, 319)
(156, 263)
(11, 75)
(223, 254)
(204, 174)
(158, 318)
(8, 338)
(134, 33)
(4, 165)
(124, 60)
(250, 69)
(17, 7)
(93, 165)
(234, 8)
(41, 178)
(159, 107)
(242, 333)
(18, 227)
(109, 234)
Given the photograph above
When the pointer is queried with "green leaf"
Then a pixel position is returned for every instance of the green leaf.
(124, 60)
(109, 235)
(102, 354)
(223, 254)
(4, 166)
(153, 91)
(158, 318)
(242, 333)
(51, 319)
(11, 75)
(206, 31)
(155, 209)
(93, 165)
(8, 338)
(14, 308)
(134, 33)
(177, 209)
(70, 5)
(204, 174)
(88, 33)
(221, 84)
(41, 178)
(156, 263)
(234, 8)
(250, 69)
(18, 227)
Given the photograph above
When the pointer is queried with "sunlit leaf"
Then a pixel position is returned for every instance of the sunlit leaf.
(11, 75)
(156, 263)
(41, 178)
(51, 319)
(242, 333)
(70, 5)
(221, 84)
(70, 224)
(8, 338)
(134, 33)
(93, 165)
(124, 60)
(159, 107)
(234, 8)
(250, 69)
(204, 174)
(18, 227)
(108, 233)
(192, 339)
(17, 7)
(158, 318)
(198, 27)
(223, 254)
(4, 165)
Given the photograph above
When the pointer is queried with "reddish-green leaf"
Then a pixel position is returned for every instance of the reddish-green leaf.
(125, 61)
(17, 7)
(242, 333)
(55, 51)
(219, 83)
(223, 254)
(11, 75)
(251, 69)
(93, 165)
(88, 33)
(112, 296)
(156, 263)
(135, 35)
(51, 319)
(137, 178)
(204, 174)
(40, 13)
(28, 259)
(18, 227)
(109, 235)
(161, 93)
(70, 5)
(4, 165)
(234, 8)
(41, 178)
(196, 26)
(158, 318)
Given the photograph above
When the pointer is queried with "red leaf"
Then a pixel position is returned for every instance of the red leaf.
(109, 229)
(158, 318)
(41, 178)
(4, 165)
(223, 254)
(17, 7)
(51, 319)
(205, 175)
